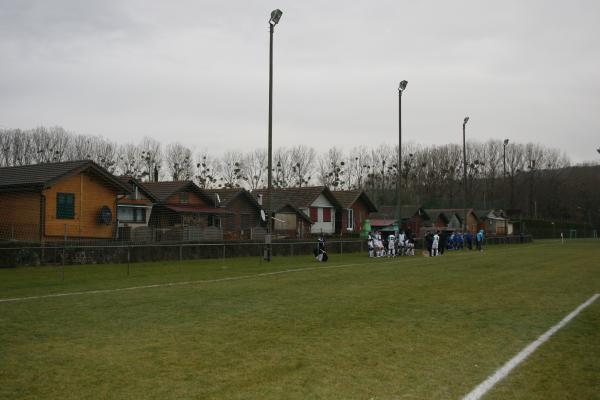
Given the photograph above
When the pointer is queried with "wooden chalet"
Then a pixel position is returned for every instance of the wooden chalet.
(59, 201)
(318, 202)
(413, 218)
(245, 208)
(356, 208)
(288, 220)
(183, 211)
(494, 222)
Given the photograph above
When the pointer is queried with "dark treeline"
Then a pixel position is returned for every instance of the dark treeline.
(529, 177)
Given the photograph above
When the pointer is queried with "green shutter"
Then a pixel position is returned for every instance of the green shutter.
(65, 205)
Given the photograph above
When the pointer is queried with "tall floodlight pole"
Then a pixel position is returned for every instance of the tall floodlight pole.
(465, 173)
(504, 176)
(275, 16)
(401, 88)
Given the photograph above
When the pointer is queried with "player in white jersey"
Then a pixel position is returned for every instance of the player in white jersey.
(401, 243)
(436, 244)
(392, 246)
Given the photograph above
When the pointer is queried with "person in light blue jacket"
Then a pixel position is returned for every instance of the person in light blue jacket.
(479, 237)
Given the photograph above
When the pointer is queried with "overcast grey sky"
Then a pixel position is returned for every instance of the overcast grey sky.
(197, 71)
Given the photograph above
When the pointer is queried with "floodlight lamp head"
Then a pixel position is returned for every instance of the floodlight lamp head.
(506, 142)
(466, 120)
(275, 16)
(402, 86)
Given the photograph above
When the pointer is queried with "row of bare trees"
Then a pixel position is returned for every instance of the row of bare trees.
(497, 175)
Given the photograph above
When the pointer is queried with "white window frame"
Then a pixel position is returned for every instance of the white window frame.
(350, 213)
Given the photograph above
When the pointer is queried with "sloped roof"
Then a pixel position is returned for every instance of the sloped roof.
(192, 209)
(382, 222)
(128, 180)
(493, 214)
(296, 210)
(389, 212)
(165, 189)
(347, 198)
(227, 195)
(434, 213)
(279, 201)
(301, 197)
(37, 177)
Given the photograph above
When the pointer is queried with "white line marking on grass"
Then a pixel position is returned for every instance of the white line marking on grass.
(501, 373)
(159, 285)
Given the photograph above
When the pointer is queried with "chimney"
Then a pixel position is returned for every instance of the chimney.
(155, 174)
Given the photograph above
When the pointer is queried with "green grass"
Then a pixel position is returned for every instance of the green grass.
(409, 328)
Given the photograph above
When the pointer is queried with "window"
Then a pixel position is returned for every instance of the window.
(214, 220)
(326, 214)
(131, 214)
(244, 222)
(65, 205)
(314, 214)
(183, 198)
(350, 219)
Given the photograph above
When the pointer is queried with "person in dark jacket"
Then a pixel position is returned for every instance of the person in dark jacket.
(320, 252)
(469, 240)
(443, 242)
(429, 242)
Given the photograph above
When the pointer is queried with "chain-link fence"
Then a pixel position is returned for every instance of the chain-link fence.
(68, 253)
(16, 253)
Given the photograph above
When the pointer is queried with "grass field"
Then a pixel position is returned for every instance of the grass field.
(354, 328)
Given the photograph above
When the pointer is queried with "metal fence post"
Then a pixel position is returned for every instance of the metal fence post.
(128, 261)
(62, 270)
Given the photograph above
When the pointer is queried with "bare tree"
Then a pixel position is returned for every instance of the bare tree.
(152, 157)
(283, 174)
(5, 147)
(131, 163)
(49, 145)
(105, 153)
(180, 164)
(22, 149)
(515, 164)
(82, 147)
(206, 168)
(231, 170)
(332, 169)
(359, 164)
(302, 159)
(255, 168)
